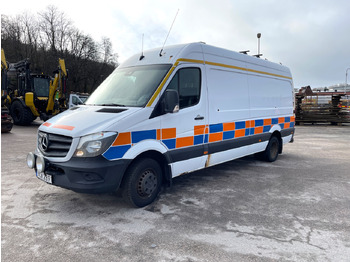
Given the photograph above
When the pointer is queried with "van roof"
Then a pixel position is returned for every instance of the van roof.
(206, 54)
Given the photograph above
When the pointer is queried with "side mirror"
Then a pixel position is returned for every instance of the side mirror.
(171, 101)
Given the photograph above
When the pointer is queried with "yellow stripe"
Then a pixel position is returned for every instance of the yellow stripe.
(208, 63)
(161, 85)
(229, 66)
(247, 69)
(190, 61)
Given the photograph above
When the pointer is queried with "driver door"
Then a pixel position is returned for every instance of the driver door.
(185, 132)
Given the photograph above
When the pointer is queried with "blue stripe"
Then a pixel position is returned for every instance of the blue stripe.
(266, 129)
(282, 126)
(287, 119)
(116, 152)
(292, 124)
(170, 143)
(259, 123)
(274, 121)
(216, 128)
(247, 131)
(252, 130)
(138, 136)
(198, 139)
(228, 135)
(240, 125)
(206, 138)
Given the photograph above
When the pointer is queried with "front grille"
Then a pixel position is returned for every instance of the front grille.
(52, 145)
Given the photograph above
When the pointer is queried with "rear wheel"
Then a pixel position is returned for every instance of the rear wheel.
(272, 150)
(142, 182)
(21, 115)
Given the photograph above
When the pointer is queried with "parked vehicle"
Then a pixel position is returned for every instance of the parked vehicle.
(31, 95)
(6, 119)
(167, 113)
(76, 99)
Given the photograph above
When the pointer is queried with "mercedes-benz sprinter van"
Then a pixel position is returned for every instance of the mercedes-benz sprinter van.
(166, 113)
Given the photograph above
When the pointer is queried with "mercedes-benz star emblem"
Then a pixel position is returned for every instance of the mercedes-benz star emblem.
(44, 142)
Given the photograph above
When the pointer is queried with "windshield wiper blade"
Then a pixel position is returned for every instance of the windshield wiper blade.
(112, 104)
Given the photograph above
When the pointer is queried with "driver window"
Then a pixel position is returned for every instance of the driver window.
(187, 83)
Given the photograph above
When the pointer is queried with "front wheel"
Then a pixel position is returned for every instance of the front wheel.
(142, 182)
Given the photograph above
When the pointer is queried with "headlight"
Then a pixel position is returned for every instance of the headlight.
(95, 144)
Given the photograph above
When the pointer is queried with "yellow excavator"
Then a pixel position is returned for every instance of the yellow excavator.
(34, 95)
(6, 119)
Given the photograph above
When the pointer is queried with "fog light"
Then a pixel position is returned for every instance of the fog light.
(79, 153)
(40, 164)
(31, 160)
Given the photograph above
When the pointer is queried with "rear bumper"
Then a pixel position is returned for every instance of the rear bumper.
(87, 175)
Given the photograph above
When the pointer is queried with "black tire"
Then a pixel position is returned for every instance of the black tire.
(272, 150)
(142, 182)
(21, 115)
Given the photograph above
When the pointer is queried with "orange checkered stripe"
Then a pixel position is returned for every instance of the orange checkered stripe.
(202, 134)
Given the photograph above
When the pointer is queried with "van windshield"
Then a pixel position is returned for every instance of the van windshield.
(131, 86)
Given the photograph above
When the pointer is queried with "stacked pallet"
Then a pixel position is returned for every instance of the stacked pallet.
(322, 107)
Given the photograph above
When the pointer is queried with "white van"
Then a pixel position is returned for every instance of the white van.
(163, 114)
(76, 99)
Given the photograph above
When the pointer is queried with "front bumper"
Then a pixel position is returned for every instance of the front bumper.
(87, 175)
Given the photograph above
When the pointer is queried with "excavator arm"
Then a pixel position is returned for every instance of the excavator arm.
(57, 85)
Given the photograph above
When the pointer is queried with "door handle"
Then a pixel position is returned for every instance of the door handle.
(198, 117)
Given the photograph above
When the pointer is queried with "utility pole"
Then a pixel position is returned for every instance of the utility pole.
(346, 79)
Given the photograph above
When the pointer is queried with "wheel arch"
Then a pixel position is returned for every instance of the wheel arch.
(151, 149)
(277, 134)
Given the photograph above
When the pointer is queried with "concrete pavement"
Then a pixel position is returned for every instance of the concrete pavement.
(295, 209)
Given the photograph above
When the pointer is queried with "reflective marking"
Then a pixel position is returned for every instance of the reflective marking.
(184, 141)
(168, 133)
(214, 137)
(70, 128)
(199, 130)
(122, 139)
(202, 134)
(229, 126)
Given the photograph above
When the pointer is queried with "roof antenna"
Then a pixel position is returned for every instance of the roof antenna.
(160, 53)
(142, 56)
(258, 36)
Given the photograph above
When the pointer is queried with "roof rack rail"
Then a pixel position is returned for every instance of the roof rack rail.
(245, 52)
(258, 55)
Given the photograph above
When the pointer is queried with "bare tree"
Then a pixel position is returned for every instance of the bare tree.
(50, 35)
(106, 51)
(55, 28)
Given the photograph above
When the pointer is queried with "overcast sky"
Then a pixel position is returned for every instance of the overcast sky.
(311, 37)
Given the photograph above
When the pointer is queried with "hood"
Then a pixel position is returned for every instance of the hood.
(84, 120)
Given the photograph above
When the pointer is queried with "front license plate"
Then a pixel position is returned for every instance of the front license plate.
(43, 177)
